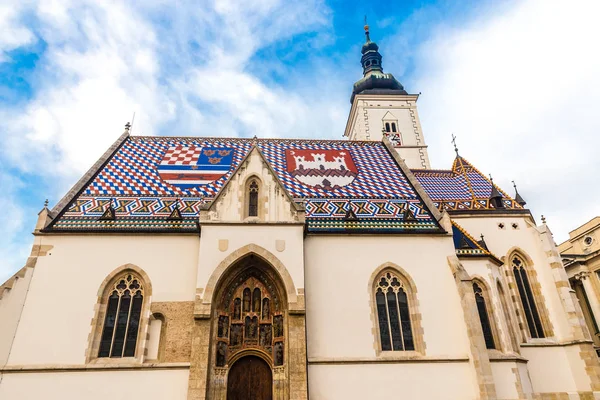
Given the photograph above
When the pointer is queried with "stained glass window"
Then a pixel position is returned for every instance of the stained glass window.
(253, 200)
(532, 316)
(393, 316)
(484, 317)
(122, 320)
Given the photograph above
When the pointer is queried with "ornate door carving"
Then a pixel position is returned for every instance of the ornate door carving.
(250, 317)
(250, 378)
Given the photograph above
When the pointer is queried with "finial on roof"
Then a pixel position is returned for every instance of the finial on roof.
(46, 203)
(367, 30)
(127, 127)
(482, 242)
(543, 219)
(454, 143)
(518, 197)
(495, 196)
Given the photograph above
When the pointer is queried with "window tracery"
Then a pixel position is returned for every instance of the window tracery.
(253, 199)
(532, 316)
(484, 316)
(393, 316)
(250, 317)
(123, 313)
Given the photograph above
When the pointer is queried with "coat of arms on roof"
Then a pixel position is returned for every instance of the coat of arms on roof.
(325, 169)
(190, 166)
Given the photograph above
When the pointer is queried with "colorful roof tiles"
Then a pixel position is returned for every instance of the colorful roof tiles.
(146, 178)
(463, 187)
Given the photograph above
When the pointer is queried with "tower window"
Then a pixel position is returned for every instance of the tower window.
(368, 63)
(393, 127)
(375, 62)
(387, 127)
(253, 199)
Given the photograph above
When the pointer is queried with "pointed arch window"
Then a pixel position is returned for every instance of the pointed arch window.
(122, 321)
(484, 316)
(530, 309)
(393, 316)
(253, 199)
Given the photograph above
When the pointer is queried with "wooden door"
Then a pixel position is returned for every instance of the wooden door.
(250, 378)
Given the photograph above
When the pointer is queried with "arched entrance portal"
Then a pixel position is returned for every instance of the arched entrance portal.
(249, 343)
(250, 378)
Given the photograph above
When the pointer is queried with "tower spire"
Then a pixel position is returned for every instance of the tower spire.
(371, 58)
(518, 197)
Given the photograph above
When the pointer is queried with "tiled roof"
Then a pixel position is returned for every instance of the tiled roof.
(463, 187)
(467, 246)
(147, 177)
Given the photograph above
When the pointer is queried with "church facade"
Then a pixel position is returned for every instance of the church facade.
(230, 268)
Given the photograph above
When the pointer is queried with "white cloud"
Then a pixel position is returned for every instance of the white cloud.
(520, 88)
(184, 69)
(12, 33)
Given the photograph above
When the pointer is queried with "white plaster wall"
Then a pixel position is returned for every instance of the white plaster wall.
(265, 236)
(391, 381)
(505, 380)
(501, 241)
(56, 318)
(550, 370)
(96, 385)
(525, 378)
(11, 305)
(338, 299)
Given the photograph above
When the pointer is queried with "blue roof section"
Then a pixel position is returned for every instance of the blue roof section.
(463, 187)
(148, 177)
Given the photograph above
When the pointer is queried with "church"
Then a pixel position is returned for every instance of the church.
(254, 268)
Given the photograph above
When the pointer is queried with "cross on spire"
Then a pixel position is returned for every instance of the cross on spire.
(454, 143)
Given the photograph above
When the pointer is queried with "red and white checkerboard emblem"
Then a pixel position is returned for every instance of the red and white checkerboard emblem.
(190, 166)
(181, 155)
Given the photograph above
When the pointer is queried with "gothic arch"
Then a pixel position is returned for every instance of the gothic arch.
(490, 309)
(536, 289)
(508, 314)
(125, 267)
(413, 309)
(100, 310)
(231, 260)
(260, 198)
(250, 316)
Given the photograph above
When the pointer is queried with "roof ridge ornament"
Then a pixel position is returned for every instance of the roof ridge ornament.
(518, 197)
(454, 143)
(109, 213)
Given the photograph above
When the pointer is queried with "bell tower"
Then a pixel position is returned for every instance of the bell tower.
(381, 106)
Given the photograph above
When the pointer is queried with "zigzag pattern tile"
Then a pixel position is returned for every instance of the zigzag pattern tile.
(131, 184)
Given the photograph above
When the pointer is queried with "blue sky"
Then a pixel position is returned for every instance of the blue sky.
(516, 81)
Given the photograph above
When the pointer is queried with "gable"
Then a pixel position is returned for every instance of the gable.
(274, 203)
(462, 188)
(148, 177)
